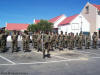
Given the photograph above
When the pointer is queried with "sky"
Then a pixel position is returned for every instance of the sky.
(25, 11)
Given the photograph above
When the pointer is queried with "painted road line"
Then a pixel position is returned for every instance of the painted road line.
(6, 64)
(41, 62)
(47, 62)
(7, 60)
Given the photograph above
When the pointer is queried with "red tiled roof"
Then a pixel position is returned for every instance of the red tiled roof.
(54, 19)
(36, 21)
(97, 6)
(14, 26)
(51, 20)
(67, 20)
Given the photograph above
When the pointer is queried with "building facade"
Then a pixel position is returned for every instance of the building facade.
(74, 24)
(92, 13)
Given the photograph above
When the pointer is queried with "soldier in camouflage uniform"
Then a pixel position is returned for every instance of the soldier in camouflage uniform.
(52, 41)
(83, 39)
(88, 41)
(46, 41)
(27, 41)
(71, 41)
(76, 39)
(61, 41)
(1, 37)
(95, 39)
(69, 37)
(65, 40)
(34, 40)
(80, 41)
(14, 41)
(39, 45)
(56, 42)
(4, 40)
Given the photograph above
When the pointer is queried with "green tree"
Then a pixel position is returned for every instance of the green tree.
(43, 25)
(33, 27)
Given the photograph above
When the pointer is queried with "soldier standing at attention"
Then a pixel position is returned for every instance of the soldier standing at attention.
(46, 38)
(83, 40)
(27, 40)
(1, 35)
(76, 39)
(52, 40)
(39, 44)
(95, 39)
(61, 41)
(88, 41)
(14, 41)
(35, 40)
(56, 40)
(71, 42)
(4, 40)
(80, 41)
(66, 40)
(69, 37)
(5, 37)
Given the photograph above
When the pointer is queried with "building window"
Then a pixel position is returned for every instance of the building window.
(99, 12)
(87, 9)
(75, 26)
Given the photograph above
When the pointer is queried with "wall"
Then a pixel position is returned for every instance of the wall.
(97, 22)
(91, 16)
(78, 23)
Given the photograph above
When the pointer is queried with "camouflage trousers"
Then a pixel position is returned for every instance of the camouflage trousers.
(66, 44)
(80, 44)
(2, 45)
(14, 45)
(25, 45)
(87, 44)
(56, 44)
(76, 43)
(46, 50)
(61, 44)
(94, 44)
(71, 44)
(39, 46)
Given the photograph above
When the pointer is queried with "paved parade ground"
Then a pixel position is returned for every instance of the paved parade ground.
(73, 62)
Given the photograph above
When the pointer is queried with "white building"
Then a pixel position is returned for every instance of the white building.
(75, 24)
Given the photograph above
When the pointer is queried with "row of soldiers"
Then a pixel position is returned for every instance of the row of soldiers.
(66, 41)
(48, 41)
(51, 41)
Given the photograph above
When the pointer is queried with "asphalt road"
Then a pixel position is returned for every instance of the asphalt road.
(74, 62)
